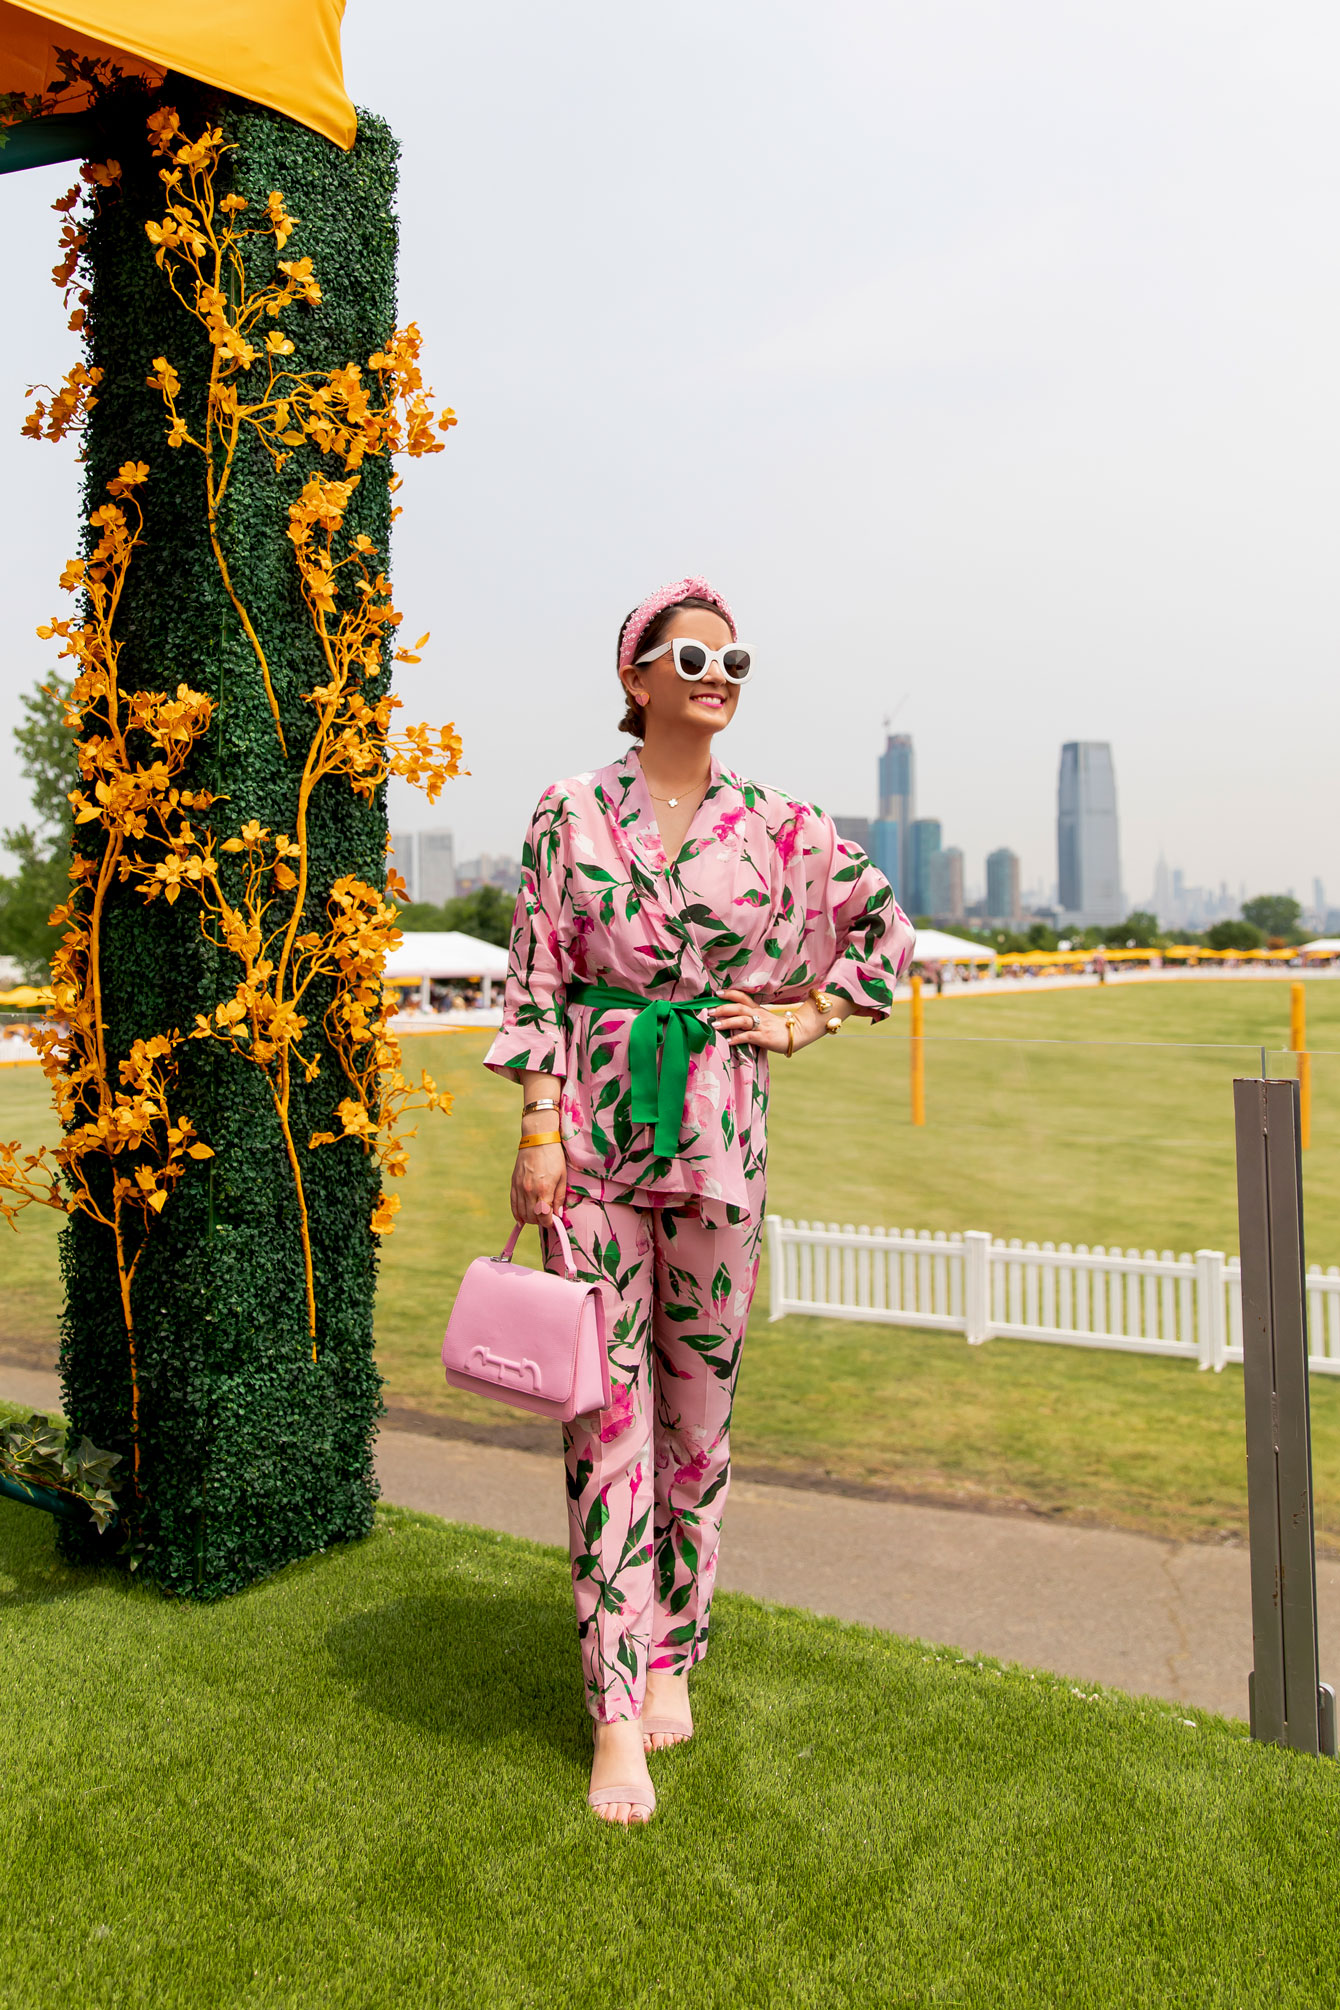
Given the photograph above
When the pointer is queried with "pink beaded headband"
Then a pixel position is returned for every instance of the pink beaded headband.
(656, 603)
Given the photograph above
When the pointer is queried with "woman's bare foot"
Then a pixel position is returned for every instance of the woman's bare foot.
(620, 1761)
(667, 1698)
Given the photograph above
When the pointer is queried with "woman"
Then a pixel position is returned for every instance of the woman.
(675, 925)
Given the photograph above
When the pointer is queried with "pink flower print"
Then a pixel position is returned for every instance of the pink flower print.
(788, 837)
(694, 1470)
(619, 1416)
(726, 828)
(702, 1097)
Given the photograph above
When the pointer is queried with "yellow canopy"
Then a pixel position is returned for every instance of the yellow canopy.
(27, 998)
(283, 53)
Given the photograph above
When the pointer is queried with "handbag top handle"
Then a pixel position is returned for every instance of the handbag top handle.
(569, 1267)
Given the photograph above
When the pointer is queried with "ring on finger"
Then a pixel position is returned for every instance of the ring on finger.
(756, 1022)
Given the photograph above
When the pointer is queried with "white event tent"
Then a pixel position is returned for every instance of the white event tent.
(443, 954)
(934, 946)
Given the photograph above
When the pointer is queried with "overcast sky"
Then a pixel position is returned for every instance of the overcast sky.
(983, 355)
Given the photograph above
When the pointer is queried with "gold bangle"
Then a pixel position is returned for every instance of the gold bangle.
(822, 1002)
(833, 1025)
(790, 1035)
(541, 1138)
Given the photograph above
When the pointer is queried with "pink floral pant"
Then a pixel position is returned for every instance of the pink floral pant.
(647, 1478)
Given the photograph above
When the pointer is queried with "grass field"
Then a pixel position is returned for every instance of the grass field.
(360, 1785)
(1096, 1116)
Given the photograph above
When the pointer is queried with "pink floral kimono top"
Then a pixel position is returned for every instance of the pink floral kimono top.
(764, 897)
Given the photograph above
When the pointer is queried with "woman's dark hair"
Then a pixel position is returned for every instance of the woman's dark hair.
(653, 633)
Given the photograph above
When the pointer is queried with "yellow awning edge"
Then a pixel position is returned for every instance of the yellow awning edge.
(282, 53)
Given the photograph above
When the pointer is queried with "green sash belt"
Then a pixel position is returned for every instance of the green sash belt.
(668, 1029)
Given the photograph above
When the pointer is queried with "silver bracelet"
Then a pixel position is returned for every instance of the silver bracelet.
(545, 1103)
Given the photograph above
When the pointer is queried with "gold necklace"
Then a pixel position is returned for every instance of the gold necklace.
(673, 802)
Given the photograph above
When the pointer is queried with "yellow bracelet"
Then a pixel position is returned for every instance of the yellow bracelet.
(790, 1035)
(541, 1138)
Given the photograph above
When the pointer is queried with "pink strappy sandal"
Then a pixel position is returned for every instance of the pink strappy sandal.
(667, 1727)
(636, 1797)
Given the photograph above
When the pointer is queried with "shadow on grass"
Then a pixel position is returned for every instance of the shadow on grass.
(36, 1574)
(477, 1665)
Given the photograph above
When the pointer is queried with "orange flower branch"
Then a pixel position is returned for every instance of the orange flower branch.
(139, 806)
(200, 246)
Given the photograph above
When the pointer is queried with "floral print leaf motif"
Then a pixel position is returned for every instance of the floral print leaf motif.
(579, 1476)
(597, 1517)
(752, 894)
(706, 1498)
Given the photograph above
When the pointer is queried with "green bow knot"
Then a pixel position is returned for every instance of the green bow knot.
(665, 1031)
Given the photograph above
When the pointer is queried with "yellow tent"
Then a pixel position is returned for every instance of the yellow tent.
(283, 53)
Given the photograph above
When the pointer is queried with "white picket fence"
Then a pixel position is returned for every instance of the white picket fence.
(1137, 1301)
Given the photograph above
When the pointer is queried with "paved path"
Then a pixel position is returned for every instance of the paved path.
(1158, 1618)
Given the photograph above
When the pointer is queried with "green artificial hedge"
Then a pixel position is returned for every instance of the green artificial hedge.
(251, 1452)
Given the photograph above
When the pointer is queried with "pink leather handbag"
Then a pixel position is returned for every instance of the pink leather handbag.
(528, 1338)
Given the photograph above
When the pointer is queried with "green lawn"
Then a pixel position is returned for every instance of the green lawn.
(360, 1785)
(1095, 1116)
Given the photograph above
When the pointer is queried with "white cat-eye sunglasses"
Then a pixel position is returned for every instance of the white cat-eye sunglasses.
(692, 659)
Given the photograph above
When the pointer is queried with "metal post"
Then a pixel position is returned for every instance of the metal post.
(1289, 1706)
(918, 1052)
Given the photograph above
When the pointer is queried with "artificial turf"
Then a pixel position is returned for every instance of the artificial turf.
(361, 1784)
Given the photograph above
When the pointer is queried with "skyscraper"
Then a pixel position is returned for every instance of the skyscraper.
(923, 844)
(856, 830)
(425, 861)
(437, 867)
(886, 851)
(945, 874)
(1002, 885)
(898, 802)
(1087, 852)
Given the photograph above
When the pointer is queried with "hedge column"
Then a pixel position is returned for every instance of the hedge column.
(252, 1452)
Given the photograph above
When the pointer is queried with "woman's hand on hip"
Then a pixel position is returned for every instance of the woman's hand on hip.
(746, 1023)
(539, 1183)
